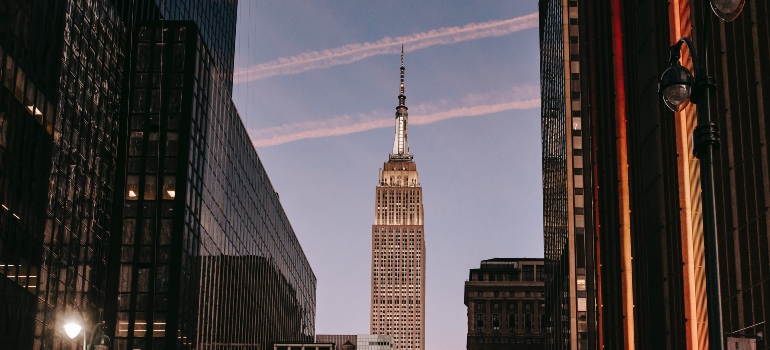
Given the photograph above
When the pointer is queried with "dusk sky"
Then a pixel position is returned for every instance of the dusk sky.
(317, 85)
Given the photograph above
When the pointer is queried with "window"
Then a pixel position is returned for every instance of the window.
(497, 294)
(529, 272)
(150, 187)
(479, 322)
(135, 143)
(513, 322)
(528, 323)
(132, 187)
(496, 322)
(169, 187)
(172, 143)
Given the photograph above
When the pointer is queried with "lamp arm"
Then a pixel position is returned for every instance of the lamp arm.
(674, 54)
(97, 327)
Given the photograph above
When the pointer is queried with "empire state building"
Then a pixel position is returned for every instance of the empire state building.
(398, 243)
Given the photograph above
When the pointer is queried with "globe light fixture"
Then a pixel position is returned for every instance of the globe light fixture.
(727, 10)
(676, 86)
(73, 324)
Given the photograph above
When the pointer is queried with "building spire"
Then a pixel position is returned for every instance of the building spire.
(401, 142)
(401, 96)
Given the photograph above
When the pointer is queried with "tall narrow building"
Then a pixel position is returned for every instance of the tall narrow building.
(398, 243)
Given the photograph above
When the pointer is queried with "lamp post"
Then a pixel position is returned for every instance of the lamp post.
(73, 324)
(677, 86)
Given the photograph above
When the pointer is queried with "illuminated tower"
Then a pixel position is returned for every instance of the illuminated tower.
(398, 244)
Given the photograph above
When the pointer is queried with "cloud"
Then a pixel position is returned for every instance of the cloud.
(470, 106)
(355, 52)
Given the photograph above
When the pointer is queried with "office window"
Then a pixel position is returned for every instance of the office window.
(528, 272)
(528, 323)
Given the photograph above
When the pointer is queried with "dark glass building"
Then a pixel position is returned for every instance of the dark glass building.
(568, 199)
(641, 180)
(506, 305)
(208, 257)
(61, 71)
(66, 108)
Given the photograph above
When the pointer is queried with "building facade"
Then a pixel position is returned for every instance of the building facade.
(506, 304)
(61, 71)
(303, 346)
(641, 198)
(374, 342)
(337, 339)
(358, 341)
(201, 263)
(568, 175)
(398, 244)
(87, 85)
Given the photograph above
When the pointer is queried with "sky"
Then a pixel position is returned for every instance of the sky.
(316, 84)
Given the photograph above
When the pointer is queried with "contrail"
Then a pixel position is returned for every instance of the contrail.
(348, 124)
(355, 52)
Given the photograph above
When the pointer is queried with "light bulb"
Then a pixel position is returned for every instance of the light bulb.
(676, 96)
(72, 325)
(72, 330)
(727, 10)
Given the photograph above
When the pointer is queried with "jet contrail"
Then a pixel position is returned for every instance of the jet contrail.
(354, 52)
(348, 124)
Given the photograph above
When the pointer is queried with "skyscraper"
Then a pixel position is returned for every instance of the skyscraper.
(208, 257)
(61, 72)
(398, 243)
(130, 192)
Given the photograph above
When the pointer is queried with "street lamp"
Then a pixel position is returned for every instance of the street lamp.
(73, 324)
(727, 10)
(677, 87)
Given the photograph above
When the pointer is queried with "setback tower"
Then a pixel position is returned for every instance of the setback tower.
(398, 243)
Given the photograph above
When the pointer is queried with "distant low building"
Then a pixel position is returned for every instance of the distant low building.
(338, 340)
(357, 342)
(374, 342)
(506, 305)
(303, 346)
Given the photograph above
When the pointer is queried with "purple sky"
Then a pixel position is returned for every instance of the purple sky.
(316, 84)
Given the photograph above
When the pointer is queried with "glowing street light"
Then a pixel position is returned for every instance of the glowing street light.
(73, 324)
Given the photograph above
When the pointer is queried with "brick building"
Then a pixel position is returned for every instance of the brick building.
(506, 305)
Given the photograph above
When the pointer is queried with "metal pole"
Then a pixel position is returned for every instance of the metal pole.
(705, 143)
(706, 140)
